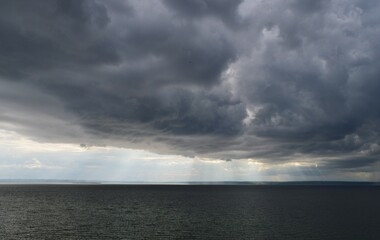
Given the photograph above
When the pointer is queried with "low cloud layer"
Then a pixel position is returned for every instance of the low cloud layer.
(271, 80)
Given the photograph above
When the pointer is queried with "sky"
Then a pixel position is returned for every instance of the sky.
(190, 90)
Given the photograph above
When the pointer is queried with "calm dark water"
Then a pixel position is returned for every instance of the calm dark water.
(188, 212)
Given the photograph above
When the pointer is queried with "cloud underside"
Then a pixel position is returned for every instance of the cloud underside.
(269, 80)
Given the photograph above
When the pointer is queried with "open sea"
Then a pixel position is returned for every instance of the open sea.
(189, 212)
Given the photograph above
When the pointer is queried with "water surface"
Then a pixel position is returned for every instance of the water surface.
(189, 212)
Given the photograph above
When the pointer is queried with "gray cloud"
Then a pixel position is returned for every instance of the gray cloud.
(221, 79)
(223, 9)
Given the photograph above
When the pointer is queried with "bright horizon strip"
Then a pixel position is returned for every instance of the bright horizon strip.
(24, 158)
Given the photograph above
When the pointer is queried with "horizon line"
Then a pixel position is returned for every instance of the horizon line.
(241, 183)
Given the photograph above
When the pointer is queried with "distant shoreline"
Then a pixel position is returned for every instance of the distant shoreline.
(193, 183)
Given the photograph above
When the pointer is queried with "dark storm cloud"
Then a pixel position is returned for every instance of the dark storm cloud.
(224, 10)
(42, 35)
(124, 75)
(308, 6)
(350, 163)
(270, 80)
(305, 89)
